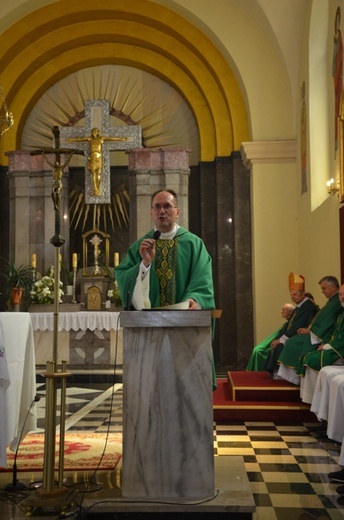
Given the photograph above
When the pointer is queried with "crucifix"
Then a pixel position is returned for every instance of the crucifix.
(97, 138)
(96, 241)
(54, 375)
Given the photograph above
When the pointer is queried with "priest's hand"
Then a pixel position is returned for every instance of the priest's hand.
(192, 304)
(302, 330)
(147, 251)
(274, 344)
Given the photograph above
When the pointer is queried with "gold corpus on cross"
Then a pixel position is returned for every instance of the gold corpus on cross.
(7, 120)
(95, 158)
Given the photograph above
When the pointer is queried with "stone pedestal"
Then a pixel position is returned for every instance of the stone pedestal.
(167, 404)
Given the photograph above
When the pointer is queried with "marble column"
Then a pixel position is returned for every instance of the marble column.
(167, 404)
(32, 217)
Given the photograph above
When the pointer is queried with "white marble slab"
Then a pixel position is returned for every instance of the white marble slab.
(167, 407)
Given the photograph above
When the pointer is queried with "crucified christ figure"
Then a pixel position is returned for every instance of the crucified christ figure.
(57, 179)
(95, 158)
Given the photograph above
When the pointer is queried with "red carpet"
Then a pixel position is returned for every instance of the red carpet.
(254, 396)
(82, 451)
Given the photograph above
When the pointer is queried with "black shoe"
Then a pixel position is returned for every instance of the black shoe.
(337, 476)
(321, 427)
(340, 491)
(320, 434)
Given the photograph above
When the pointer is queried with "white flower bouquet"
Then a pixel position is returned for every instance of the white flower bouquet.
(44, 288)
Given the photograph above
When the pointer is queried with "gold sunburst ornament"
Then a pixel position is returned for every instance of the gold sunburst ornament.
(6, 119)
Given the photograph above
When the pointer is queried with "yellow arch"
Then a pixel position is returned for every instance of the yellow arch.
(51, 43)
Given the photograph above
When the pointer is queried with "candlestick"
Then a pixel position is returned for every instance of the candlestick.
(116, 259)
(74, 282)
(33, 260)
(75, 260)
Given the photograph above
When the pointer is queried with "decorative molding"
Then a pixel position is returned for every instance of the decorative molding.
(259, 152)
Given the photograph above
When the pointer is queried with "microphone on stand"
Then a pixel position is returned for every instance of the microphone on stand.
(16, 485)
(156, 235)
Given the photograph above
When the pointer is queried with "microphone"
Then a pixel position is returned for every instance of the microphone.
(156, 235)
(17, 486)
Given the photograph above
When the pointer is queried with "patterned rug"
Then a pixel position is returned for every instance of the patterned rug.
(82, 451)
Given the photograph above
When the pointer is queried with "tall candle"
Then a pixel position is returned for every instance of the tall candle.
(33, 260)
(75, 260)
(116, 259)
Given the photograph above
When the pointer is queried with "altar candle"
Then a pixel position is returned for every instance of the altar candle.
(75, 260)
(116, 259)
(33, 260)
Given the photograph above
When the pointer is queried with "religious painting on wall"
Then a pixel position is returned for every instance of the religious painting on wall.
(303, 140)
(337, 73)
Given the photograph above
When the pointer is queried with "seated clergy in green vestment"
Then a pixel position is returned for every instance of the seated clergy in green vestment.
(261, 352)
(168, 265)
(329, 353)
(303, 314)
(319, 331)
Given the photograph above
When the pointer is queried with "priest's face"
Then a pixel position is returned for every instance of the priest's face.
(341, 295)
(164, 211)
(297, 296)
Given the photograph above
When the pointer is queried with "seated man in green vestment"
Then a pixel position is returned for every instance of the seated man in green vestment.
(319, 331)
(261, 352)
(167, 266)
(331, 353)
(303, 314)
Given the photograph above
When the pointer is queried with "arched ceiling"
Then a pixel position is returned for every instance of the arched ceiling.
(55, 41)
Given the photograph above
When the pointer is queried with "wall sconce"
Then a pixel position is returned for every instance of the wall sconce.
(331, 188)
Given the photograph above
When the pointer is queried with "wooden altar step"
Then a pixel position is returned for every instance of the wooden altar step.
(254, 396)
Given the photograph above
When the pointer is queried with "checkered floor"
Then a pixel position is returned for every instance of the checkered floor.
(287, 466)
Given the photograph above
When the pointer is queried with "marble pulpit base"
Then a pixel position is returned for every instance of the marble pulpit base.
(232, 496)
(167, 405)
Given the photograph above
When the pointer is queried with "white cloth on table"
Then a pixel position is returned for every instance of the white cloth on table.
(335, 421)
(321, 395)
(4, 384)
(82, 320)
(18, 393)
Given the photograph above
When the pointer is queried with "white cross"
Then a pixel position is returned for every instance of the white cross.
(97, 115)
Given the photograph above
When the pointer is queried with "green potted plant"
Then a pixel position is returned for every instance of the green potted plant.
(18, 282)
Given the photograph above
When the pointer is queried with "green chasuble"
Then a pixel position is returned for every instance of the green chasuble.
(322, 325)
(301, 317)
(321, 358)
(261, 352)
(181, 269)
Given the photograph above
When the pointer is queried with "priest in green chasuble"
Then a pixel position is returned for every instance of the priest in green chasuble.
(330, 353)
(167, 266)
(319, 331)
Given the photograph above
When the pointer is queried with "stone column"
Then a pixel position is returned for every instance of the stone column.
(151, 169)
(32, 215)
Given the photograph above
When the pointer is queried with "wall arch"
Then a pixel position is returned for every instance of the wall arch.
(49, 44)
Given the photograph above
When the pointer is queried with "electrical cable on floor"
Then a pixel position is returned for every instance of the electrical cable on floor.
(88, 489)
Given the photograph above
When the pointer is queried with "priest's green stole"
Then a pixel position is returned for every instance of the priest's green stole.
(166, 269)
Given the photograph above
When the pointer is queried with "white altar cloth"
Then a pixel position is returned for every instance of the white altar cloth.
(17, 379)
(82, 320)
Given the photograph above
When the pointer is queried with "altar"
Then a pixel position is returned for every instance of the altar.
(87, 340)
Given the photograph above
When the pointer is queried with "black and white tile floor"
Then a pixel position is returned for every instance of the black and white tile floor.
(287, 466)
